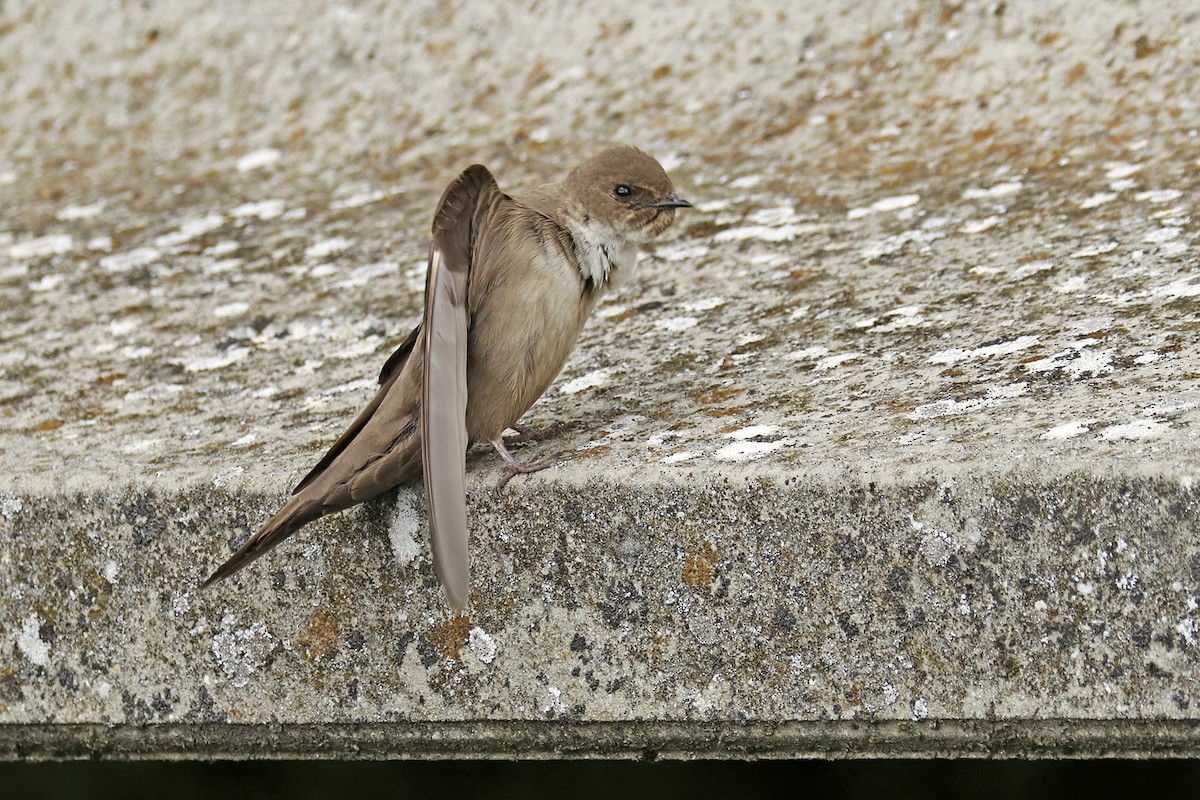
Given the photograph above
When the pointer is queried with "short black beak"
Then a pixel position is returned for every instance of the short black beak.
(671, 201)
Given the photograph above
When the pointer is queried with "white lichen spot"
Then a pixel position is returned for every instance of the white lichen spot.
(363, 198)
(1084, 588)
(1095, 250)
(245, 441)
(682, 252)
(751, 442)
(762, 233)
(704, 304)
(938, 546)
(29, 642)
(1184, 287)
(41, 247)
(556, 705)
(661, 438)
(1076, 362)
(836, 360)
(10, 505)
(808, 352)
(885, 204)
(999, 190)
(753, 431)
(980, 225)
(1098, 199)
(363, 347)
(263, 209)
(361, 276)
(1161, 235)
(325, 248)
(920, 709)
(323, 270)
(47, 283)
(749, 451)
(219, 361)
(1067, 430)
(73, 212)
(257, 159)
(676, 324)
(746, 182)
(1158, 196)
(950, 407)
(404, 529)
(1073, 285)
(597, 377)
(132, 259)
(231, 309)
(180, 606)
(1032, 268)
(1136, 430)
(242, 651)
(482, 645)
(1116, 170)
(190, 230)
(958, 354)
(225, 477)
(111, 568)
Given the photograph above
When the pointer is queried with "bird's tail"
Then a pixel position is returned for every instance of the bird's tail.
(302, 509)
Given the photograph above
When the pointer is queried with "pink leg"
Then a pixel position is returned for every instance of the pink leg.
(528, 434)
(515, 467)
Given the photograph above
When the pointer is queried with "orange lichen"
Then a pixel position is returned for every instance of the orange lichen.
(698, 568)
(320, 637)
(450, 636)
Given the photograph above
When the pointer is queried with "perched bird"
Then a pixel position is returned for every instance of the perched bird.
(511, 281)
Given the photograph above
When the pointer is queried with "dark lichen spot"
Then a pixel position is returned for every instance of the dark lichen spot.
(623, 603)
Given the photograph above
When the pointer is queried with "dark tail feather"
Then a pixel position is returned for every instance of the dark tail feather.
(298, 512)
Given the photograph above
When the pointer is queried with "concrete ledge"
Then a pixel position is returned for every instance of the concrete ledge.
(630, 740)
(889, 451)
(762, 614)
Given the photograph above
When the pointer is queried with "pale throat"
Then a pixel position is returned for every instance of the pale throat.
(605, 258)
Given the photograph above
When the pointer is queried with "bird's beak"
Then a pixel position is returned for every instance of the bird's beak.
(671, 201)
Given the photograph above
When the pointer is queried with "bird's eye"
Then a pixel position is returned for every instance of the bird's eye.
(622, 192)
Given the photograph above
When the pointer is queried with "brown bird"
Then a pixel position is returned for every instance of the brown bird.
(511, 282)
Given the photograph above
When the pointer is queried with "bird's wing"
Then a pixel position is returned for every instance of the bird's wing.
(444, 389)
(391, 371)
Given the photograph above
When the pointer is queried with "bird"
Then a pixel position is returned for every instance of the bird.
(511, 280)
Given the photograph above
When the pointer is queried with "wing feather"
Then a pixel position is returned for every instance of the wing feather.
(444, 388)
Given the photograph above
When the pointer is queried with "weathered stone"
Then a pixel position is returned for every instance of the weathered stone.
(888, 450)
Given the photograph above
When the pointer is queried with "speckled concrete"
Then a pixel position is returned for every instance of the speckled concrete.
(888, 450)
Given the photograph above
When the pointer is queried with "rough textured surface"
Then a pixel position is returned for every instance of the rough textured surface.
(888, 450)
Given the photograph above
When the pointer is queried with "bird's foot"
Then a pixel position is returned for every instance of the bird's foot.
(513, 467)
(528, 434)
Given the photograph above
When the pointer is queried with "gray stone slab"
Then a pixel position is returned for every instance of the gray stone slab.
(888, 450)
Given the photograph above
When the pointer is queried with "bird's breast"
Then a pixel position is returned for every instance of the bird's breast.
(521, 334)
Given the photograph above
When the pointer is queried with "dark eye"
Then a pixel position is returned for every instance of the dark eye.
(622, 192)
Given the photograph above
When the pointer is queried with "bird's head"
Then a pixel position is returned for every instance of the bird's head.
(624, 191)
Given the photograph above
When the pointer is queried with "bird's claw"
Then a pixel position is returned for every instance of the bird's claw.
(528, 434)
(514, 468)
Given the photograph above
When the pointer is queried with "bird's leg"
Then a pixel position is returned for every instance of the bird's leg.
(515, 467)
(528, 434)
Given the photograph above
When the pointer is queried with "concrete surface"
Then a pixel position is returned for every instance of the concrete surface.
(889, 450)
